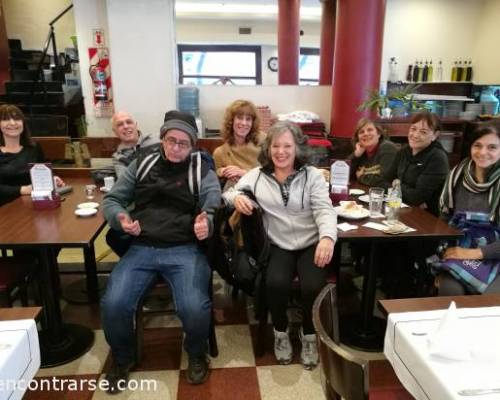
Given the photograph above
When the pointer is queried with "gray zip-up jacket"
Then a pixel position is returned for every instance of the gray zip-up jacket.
(308, 216)
(124, 155)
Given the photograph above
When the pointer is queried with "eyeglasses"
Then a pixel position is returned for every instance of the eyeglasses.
(183, 144)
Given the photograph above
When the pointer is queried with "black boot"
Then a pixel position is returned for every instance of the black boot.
(117, 377)
(197, 371)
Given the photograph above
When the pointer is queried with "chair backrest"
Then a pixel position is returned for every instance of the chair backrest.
(100, 147)
(343, 373)
(54, 147)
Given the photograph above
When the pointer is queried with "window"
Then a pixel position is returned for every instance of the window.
(225, 64)
(309, 66)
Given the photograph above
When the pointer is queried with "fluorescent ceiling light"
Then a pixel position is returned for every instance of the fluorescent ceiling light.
(207, 9)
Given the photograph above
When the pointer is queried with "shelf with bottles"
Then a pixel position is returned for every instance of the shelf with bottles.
(464, 89)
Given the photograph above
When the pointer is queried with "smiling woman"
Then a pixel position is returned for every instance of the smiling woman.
(17, 151)
(239, 153)
(373, 153)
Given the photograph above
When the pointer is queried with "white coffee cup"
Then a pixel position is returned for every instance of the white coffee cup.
(109, 181)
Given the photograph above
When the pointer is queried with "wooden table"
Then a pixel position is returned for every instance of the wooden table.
(366, 332)
(438, 303)
(46, 231)
(9, 314)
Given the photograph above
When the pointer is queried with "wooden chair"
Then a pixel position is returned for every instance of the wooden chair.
(100, 147)
(344, 375)
(55, 148)
(15, 276)
(139, 319)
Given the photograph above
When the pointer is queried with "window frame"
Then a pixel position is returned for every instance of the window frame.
(309, 51)
(229, 48)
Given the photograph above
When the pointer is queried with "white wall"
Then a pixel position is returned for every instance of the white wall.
(143, 59)
(28, 20)
(431, 29)
(487, 49)
(89, 15)
(281, 99)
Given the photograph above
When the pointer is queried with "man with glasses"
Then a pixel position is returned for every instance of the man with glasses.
(175, 195)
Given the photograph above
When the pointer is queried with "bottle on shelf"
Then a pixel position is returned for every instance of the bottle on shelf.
(425, 73)
(430, 73)
(439, 71)
(454, 72)
(409, 73)
(393, 70)
(460, 70)
(468, 72)
(415, 72)
(394, 201)
(420, 71)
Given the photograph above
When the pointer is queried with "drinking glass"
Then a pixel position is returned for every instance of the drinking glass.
(90, 191)
(376, 201)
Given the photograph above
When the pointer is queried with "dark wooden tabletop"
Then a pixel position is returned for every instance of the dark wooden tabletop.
(438, 303)
(23, 225)
(8, 314)
(427, 227)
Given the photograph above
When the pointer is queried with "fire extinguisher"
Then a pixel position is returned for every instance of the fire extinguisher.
(98, 76)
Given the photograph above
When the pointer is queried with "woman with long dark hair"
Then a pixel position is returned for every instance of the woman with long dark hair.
(473, 188)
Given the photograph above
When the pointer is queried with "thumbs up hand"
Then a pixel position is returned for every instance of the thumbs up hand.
(131, 227)
(201, 226)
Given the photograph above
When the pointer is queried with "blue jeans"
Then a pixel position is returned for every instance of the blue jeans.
(186, 269)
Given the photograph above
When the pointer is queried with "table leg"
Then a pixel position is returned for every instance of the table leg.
(87, 291)
(366, 332)
(59, 343)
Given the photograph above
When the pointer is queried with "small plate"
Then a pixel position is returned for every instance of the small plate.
(85, 212)
(356, 214)
(356, 192)
(104, 189)
(365, 198)
(91, 204)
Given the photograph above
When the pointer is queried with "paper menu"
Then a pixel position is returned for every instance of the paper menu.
(339, 176)
(42, 182)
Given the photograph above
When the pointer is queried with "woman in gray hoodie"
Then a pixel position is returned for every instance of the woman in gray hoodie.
(302, 228)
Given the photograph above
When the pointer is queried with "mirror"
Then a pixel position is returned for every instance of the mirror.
(235, 42)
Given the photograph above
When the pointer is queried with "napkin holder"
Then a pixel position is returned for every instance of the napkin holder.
(339, 181)
(43, 195)
(46, 202)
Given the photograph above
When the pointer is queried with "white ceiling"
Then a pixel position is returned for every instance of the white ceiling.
(241, 9)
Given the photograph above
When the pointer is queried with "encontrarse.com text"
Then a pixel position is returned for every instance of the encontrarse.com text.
(58, 384)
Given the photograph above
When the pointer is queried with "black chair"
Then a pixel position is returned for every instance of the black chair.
(161, 285)
(344, 375)
(15, 276)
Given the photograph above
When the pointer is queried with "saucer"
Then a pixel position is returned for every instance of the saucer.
(356, 192)
(85, 212)
(91, 204)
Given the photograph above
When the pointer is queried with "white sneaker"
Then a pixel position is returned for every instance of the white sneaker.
(282, 347)
(309, 356)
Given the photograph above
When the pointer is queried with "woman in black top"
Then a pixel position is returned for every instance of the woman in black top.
(422, 165)
(373, 154)
(17, 151)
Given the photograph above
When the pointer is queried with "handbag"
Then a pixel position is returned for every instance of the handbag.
(478, 231)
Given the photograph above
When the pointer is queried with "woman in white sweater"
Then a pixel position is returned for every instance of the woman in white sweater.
(302, 228)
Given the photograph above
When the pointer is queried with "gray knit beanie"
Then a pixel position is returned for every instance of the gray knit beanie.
(178, 120)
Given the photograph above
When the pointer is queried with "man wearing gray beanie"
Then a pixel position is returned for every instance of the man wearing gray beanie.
(174, 208)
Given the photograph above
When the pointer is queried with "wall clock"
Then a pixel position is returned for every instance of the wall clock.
(272, 63)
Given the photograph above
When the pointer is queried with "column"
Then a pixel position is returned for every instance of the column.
(329, 9)
(357, 60)
(288, 41)
(4, 52)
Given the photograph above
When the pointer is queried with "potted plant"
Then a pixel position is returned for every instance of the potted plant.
(374, 102)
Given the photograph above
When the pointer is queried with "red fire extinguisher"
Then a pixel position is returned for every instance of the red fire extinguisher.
(99, 82)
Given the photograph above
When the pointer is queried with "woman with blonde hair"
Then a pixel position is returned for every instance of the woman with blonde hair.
(241, 135)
